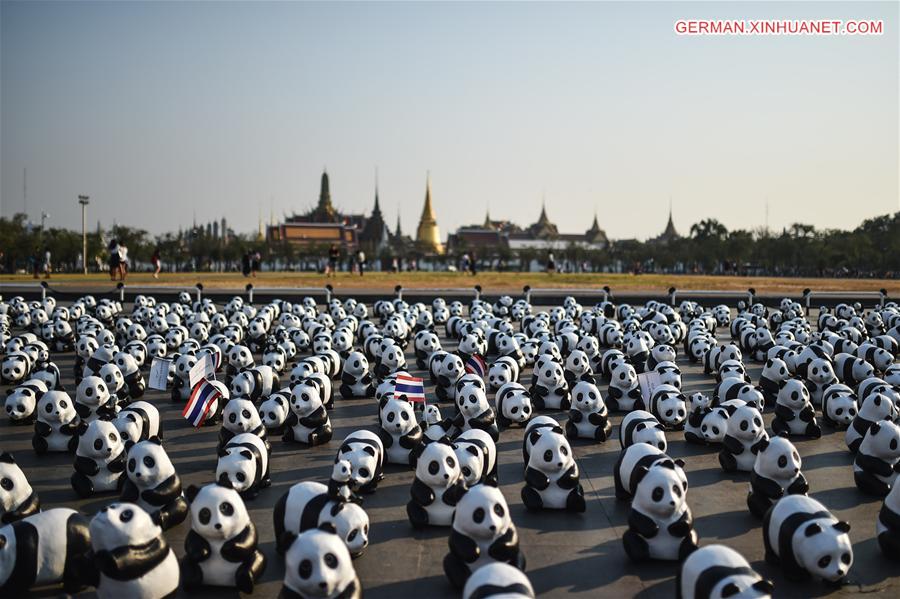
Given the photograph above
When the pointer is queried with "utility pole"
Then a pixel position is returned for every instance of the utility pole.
(84, 201)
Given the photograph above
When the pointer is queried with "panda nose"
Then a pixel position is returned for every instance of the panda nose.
(446, 477)
(796, 470)
(218, 526)
(493, 528)
(137, 474)
(840, 572)
(323, 585)
(672, 503)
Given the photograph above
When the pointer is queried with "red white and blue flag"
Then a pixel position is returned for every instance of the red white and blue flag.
(475, 365)
(202, 397)
(410, 386)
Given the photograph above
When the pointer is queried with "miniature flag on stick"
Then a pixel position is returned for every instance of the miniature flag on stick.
(475, 365)
(202, 397)
(411, 387)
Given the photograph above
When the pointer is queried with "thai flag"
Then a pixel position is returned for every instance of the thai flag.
(411, 387)
(475, 365)
(199, 403)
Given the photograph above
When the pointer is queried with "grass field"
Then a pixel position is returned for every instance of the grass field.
(490, 281)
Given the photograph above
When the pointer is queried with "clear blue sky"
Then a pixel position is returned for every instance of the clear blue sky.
(160, 109)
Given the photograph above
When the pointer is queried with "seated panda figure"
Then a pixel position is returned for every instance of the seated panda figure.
(498, 581)
(17, 499)
(21, 401)
(776, 473)
(240, 416)
(633, 463)
(588, 418)
(317, 564)
(839, 406)
(719, 571)
(437, 487)
(878, 459)
(512, 405)
(356, 382)
(153, 484)
(100, 460)
(244, 462)
(551, 474)
(308, 505)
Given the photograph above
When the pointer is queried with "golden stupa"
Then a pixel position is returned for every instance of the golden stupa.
(428, 236)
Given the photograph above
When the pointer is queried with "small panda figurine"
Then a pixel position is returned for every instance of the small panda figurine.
(633, 463)
(254, 382)
(240, 416)
(153, 484)
(131, 375)
(624, 393)
(512, 405)
(549, 389)
(498, 580)
(887, 525)
(22, 400)
(774, 372)
(311, 424)
(99, 460)
(877, 461)
(307, 505)
(275, 412)
(794, 413)
(776, 473)
(181, 379)
(719, 571)
(356, 382)
(17, 499)
(638, 351)
(244, 462)
(875, 408)
(340, 482)
(138, 422)
(669, 405)
(433, 426)
(93, 400)
(503, 371)
(639, 426)
(14, 368)
(437, 487)
(47, 548)
(221, 547)
(482, 533)
(578, 368)
(115, 382)
(819, 376)
(660, 525)
(448, 369)
(317, 564)
(839, 406)
(474, 410)
(660, 354)
(399, 432)
(56, 427)
(365, 453)
(736, 388)
(698, 406)
(801, 535)
(477, 456)
(743, 435)
(588, 418)
(551, 475)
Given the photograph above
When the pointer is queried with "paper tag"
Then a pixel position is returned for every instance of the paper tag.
(159, 374)
(204, 368)
(648, 381)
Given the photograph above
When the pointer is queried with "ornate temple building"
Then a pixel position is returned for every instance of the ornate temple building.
(428, 236)
(669, 234)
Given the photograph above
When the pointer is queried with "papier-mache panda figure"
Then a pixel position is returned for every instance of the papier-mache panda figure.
(47, 548)
(512, 405)
(639, 426)
(660, 525)
(877, 461)
(21, 401)
(819, 376)
(659, 354)
(138, 422)
(503, 371)
(318, 565)
(399, 432)
(482, 533)
(578, 368)
(551, 475)
(275, 412)
(475, 412)
(310, 424)
(446, 371)
(633, 463)
(801, 535)
(549, 389)
(433, 426)
(437, 487)
(477, 456)
(244, 462)
(17, 499)
(887, 525)
(498, 581)
(669, 405)
(356, 382)
(93, 400)
(56, 427)
(776, 473)
(131, 554)
(221, 547)
(839, 406)
(365, 453)
(131, 375)
(99, 460)
(153, 484)
(875, 408)
(238, 417)
(719, 571)
(307, 505)
(774, 372)
(339, 485)
(743, 435)
(698, 406)
(588, 418)
(254, 382)
(624, 393)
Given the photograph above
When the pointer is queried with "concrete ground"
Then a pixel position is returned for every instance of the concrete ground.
(568, 554)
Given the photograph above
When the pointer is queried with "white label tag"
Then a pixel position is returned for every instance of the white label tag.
(203, 369)
(159, 374)
(648, 381)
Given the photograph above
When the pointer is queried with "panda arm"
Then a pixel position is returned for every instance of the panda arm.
(421, 492)
(412, 439)
(163, 492)
(682, 526)
(236, 549)
(86, 466)
(506, 547)
(131, 562)
(117, 464)
(873, 465)
(366, 379)
(386, 439)
(443, 381)
(733, 445)
(784, 412)
(540, 390)
(69, 429)
(42, 428)
(890, 518)
(575, 416)
(597, 419)
(464, 547)
(766, 486)
(570, 479)
(347, 378)
(130, 492)
(459, 421)
(316, 419)
(642, 524)
(454, 493)
(537, 479)
(82, 410)
(635, 393)
(196, 547)
(799, 486)
(614, 392)
(754, 449)
(695, 419)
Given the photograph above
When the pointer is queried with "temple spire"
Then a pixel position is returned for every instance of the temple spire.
(428, 234)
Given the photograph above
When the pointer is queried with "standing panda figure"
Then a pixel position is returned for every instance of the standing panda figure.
(365, 452)
(21, 401)
(17, 499)
(743, 435)
(498, 581)
(477, 456)
(774, 372)
(624, 393)
(308, 505)
(437, 487)
(878, 459)
(719, 571)
(154, 485)
(56, 427)
(875, 408)
(474, 410)
(311, 424)
(776, 473)
(588, 418)
(633, 463)
(254, 382)
(99, 460)
(47, 548)
(794, 413)
(549, 389)
(801, 535)
(244, 462)
(221, 547)
(399, 432)
(638, 351)
(512, 405)
(551, 475)
(131, 554)
(138, 422)
(887, 525)
(642, 427)
(483, 533)
(240, 416)
(660, 525)
(356, 382)
(318, 565)
(839, 406)
(275, 412)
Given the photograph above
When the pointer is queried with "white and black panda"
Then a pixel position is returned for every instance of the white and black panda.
(47, 548)
(633, 463)
(512, 405)
(887, 525)
(718, 572)
(426, 342)
(446, 371)
(498, 581)
(549, 389)
(661, 353)
(22, 400)
(774, 371)
(138, 422)
(240, 416)
(875, 408)
(99, 460)
(399, 431)
(776, 473)
(275, 412)
(221, 547)
(878, 459)
(437, 487)
(131, 554)
(839, 406)
(698, 406)
(744, 432)
(14, 368)
(551, 474)
(477, 456)
(669, 405)
(254, 382)
(482, 533)
(307, 505)
(660, 525)
(310, 423)
(356, 382)
(93, 400)
(474, 410)
(433, 426)
(17, 499)
(851, 370)
(588, 418)
(56, 426)
(794, 412)
(639, 426)
(318, 565)
(365, 452)
(181, 376)
(801, 535)
(244, 462)
(115, 382)
(624, 393)
(153, 484)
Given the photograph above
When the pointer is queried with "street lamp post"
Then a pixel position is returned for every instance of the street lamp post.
(84, 201)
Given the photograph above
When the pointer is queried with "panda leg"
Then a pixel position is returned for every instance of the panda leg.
(727, 461)
(417, 514)
(771, 557)
(532, 499)
(565, 403)
(571, 430)
(758, 504)
(602, 432)
(82, 485)
(173, 514)
(869, 483)
(250, 571)
(688, 545)
(346, 391)
(321, 435)
(40, 444)
(813, 430)
(457, 572)
(691, 437)
(288, 436)
(635, 546)
(278, 524)
(853, 446)
(191, 575)
(575, 500)
(890, 544)
(779, 426)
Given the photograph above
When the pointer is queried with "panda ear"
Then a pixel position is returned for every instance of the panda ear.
(288, 538)
(246, 454)
(533, 437)
(666, 464)
(191, 492)
(9, 391)
(813, 529)
(7, 458)
(640, 472)
(155, 440)
(223, 481)
(842, 526)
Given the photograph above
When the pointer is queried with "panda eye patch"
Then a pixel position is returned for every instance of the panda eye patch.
(305, 569)
(824, 561)
(498, 509)
(98, 444)
(846, 558)
(657, 494)
(126, 516)
(548, 456)
(433, 468)
(112, 437)
(226, 508)
(782, 461)
(757, 422)
(49, 408)
(478, 515)
(7, 484)
(744, 425)
(204, 516)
